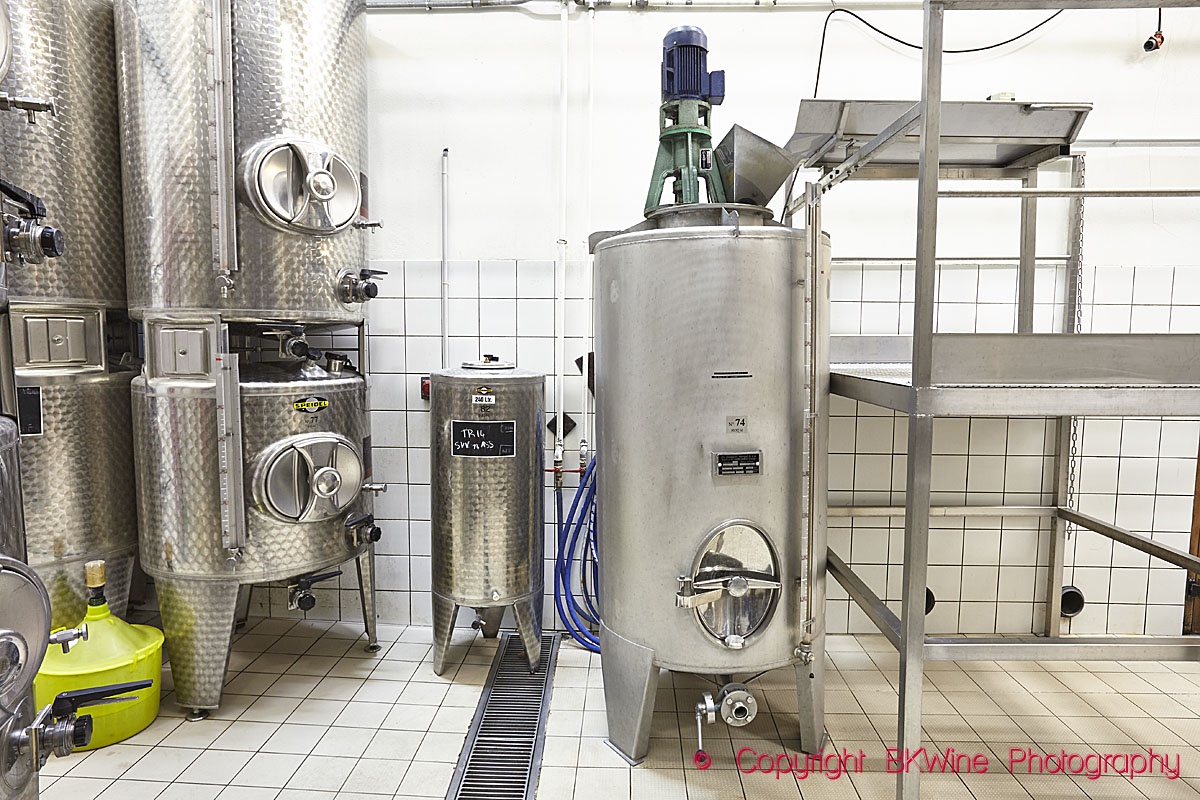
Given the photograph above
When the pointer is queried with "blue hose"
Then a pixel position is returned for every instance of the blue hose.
(574, 617)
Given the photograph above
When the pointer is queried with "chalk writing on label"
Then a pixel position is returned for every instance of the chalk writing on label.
(470, 439)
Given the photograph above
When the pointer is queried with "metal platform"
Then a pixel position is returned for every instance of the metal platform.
(1003, 375)
(994, 135)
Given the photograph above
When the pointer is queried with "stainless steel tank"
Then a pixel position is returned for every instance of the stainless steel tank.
(703, 369)
(12, 526)
(487, 500)
(268, 148)
(304, 444)
(69, 392)
(63, 49)
(244, 139)
(24, 636)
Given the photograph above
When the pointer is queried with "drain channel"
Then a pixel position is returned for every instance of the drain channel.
(503, 751)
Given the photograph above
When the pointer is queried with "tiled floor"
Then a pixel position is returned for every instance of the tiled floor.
(307, 714)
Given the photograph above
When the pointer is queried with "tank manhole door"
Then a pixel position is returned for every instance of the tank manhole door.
(303, 187)
(734, 587)
(309, 478)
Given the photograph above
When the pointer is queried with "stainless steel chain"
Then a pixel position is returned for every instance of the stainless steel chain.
(1077, 324)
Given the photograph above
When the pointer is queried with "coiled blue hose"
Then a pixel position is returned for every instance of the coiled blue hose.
(575, 617)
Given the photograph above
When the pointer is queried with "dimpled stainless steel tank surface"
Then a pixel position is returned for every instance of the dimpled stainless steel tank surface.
(488, 532)
(12, 543)
(77, 452)
(304, 474)
(244, 134)
(702, 364)
(298, 134)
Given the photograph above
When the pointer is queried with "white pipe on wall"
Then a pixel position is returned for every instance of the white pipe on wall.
(445, 257)
(560, 265)
(586, 435)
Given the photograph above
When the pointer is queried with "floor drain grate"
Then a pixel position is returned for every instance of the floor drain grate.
(503, 752)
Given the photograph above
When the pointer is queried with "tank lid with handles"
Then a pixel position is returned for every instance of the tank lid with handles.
(489, 366)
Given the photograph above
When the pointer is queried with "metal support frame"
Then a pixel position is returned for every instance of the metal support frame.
(922, 398)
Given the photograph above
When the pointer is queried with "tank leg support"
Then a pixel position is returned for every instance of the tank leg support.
(528, 614)
(243, 606)
(366, 593)
(198, 623)
(444, 612)
(492, 617)
(810, 687)
(630, 684)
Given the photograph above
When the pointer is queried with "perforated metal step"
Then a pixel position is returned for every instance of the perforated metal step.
(503, 751)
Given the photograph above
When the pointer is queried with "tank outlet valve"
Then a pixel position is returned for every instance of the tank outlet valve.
(359, 288)
(300, 594)
(371, 225)
(738, 707)
(30, 105)
(706, 712)
(59, 728)
(375, 488)
(26, 239)
(804, 652)
(66, 638)
(293, 347)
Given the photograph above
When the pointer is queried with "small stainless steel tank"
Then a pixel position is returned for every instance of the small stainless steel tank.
(704, 530)
(486, 452)
(304, 437)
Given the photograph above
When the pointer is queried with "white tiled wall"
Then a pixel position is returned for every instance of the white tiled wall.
(988, 574)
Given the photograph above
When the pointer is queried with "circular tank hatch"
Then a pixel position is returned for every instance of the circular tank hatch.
(309, 478)
(305, 187)
(737, 570)
(26, 631)
(6, 43)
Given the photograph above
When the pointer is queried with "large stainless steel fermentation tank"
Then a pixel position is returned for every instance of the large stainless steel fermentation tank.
(707, 531)
(66, 357)
(245, 139)
(488, 518)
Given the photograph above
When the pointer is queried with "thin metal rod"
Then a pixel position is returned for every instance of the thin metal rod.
(1072, 192)
(875, 609)
(1069, 648)
(1171, 555)
(445, 265)
(433, 5)
(945, 511)
(1058, 529)
(867, 152)
(1026, 270)
(968, 260)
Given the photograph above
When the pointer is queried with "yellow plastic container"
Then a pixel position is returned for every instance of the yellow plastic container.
(115, 652)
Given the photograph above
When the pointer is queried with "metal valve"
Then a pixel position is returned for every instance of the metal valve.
(26, 239)
(58, 728)
(66, 638)
(30, 105)
(360, 288)
(367, 224)
(300, 594)
(293, 347)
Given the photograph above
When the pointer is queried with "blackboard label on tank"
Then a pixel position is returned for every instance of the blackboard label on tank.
(483, 439)
(29, 410)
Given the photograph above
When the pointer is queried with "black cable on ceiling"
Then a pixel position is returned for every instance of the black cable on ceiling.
(898, 40)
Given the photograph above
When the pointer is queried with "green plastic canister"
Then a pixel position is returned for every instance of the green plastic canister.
(114, 652)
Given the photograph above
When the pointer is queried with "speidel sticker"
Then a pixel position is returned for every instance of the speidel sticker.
(311, 405)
